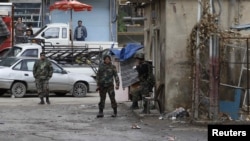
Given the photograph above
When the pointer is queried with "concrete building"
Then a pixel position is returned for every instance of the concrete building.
(100, 21)
(169, 27)
(167, 32)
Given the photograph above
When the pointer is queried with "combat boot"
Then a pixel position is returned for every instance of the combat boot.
(42, 101)
(47, 100)
(134, 106)
(115, 112)
(145, 108)
(100, 114)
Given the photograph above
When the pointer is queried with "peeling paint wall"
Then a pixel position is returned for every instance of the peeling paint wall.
(180, 18)
(166, 40)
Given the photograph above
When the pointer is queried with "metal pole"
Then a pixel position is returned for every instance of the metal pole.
(217, 77)
(196, 85)
(71, 28)
(214, 72)
(12, 25)
(247, 78)
(42, 13)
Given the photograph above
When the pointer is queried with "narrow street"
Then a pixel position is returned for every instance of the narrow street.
(74, 119)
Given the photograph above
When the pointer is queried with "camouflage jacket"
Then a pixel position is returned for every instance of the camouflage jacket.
(106, 75)
(42, 69)
(145, 74)
(143, 71)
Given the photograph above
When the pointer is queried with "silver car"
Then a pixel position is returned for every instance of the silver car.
(16, 75)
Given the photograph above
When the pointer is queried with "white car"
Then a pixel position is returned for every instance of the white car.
(16, 75)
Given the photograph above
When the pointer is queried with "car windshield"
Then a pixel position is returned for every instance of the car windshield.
(7, 62)
(39, 31)
(13, 51)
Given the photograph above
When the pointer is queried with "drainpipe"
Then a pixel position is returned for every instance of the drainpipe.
(196, 73)
(42, 19)
(213, 71)
(248, 76)
(134, 18)
(113, 19)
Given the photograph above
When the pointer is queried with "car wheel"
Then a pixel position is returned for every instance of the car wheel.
(18, 89)
(60, 94)
(80, 90)
(2, 91)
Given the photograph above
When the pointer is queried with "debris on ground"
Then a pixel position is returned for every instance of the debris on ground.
(135, 126)
(177, 113)
(169, 138)
(224, 117)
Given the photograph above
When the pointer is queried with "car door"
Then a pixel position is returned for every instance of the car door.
(24, 69)
(29, 74)
(60, 81)
(53, 36)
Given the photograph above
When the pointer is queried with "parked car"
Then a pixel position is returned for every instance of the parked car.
(16, 75)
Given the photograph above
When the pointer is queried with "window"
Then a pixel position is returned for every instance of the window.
(56, 69)
(40, 30)
(51, 33)
(64, 33)
(25, 65)
(17, 67)
(7, 62)
(30, 53)
(30, 65)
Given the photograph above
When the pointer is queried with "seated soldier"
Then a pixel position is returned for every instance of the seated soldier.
(146, 82)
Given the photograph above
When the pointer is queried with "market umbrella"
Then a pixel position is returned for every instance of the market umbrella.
(71, 5)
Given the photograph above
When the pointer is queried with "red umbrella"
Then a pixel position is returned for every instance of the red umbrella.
(72, 5)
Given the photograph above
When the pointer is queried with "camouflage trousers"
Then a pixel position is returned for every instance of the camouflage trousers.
(42, 87)
(140, 92)
(103, 92)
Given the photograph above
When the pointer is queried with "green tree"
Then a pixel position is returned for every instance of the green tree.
(121, 23)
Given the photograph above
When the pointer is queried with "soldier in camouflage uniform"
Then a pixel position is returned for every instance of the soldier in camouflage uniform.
(42, 72)
(105, 80)
(146, 82)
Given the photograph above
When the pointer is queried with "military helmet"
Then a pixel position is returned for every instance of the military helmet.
(139, 56)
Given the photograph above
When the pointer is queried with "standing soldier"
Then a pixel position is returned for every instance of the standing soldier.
(105, 80)
(42, 72)
(146, 82)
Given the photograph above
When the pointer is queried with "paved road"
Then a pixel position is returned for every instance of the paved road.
(74, 119)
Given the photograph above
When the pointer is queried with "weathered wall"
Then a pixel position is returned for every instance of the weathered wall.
(154, 40)
(98, 21)
(181, 16)
(168, 37)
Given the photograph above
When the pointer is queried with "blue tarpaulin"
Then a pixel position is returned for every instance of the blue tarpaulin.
(127, 52)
